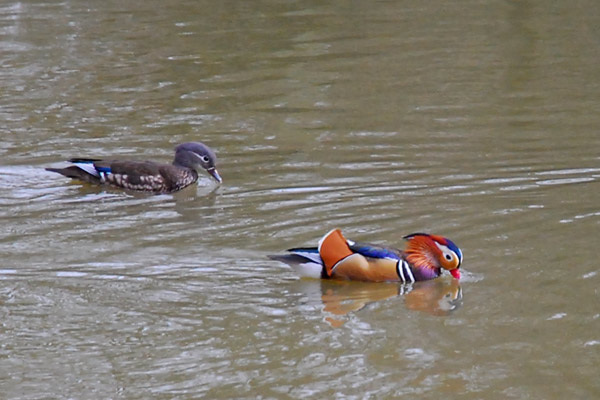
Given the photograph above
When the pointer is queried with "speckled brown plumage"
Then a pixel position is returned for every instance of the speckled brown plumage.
(146, 176)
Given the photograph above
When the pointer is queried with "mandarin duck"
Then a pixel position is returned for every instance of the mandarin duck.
(338, 258)
(146, 176)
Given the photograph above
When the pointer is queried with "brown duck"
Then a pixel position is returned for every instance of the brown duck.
(148, 176)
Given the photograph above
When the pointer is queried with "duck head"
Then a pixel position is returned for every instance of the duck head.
(197, 155)
(434, 252)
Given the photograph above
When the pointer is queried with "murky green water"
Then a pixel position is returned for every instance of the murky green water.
(475, 120)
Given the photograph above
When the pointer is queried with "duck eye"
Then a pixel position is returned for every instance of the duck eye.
(204, 159)
(448, 257)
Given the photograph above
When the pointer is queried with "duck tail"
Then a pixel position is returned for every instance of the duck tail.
(76, 172)
(306, 262)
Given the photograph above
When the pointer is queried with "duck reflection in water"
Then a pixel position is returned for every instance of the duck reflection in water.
(437, 297)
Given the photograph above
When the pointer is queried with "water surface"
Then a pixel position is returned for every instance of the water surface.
(474, 120)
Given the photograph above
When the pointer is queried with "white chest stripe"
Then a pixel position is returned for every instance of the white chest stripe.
(408, 271)
(400, 270)
(404, 272)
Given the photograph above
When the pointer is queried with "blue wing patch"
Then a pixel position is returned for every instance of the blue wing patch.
(373, 251)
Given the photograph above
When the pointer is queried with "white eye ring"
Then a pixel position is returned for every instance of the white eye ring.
(204, 159)
(448, 257)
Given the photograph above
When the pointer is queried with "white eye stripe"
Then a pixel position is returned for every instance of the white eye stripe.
(448, 254)
(204, 158)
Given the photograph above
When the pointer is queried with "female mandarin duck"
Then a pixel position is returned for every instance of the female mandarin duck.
(147, 176)
(338, 258)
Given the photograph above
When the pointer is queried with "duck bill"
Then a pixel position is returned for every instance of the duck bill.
(215, 174)
(455, 273)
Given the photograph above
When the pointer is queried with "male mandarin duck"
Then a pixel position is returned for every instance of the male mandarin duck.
(146, 176)
(336, 257)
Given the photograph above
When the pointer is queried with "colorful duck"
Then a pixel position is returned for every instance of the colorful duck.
(338, 258)
(146, 176)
